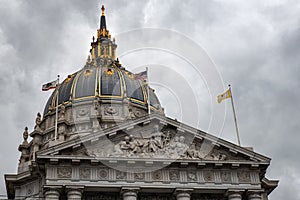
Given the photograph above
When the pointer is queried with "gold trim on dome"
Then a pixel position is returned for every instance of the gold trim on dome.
(129, 74)
(97, 90)
(122, 81)
(144, 90)
(68, 79)
(99, 48)
(109, 71)
(75, 84)
(53, 100)
(87, 73)
(136, 100)
(86, 97)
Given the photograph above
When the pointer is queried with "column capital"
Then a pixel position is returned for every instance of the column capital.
(74, 192)
(183, 193)
(234, 194)
(129, 193)
(130, 189)
(52, 188)
(52, 192)
(254, 194)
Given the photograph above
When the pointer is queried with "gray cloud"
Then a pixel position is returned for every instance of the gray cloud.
(254, 45)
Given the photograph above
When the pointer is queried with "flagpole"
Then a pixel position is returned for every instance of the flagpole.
(234, 116)
(148, 91)
(56, 111)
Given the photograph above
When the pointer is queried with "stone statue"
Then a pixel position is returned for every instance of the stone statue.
(38, 121)
(25, 135)
(122, 147)
(192, 152)
(154, 142)
(62, 112)
(161, 145)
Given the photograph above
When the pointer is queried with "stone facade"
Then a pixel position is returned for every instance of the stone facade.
(107, 147)
(72, 170)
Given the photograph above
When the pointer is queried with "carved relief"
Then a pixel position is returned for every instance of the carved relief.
(81, 112)
(226, 176)
(120, 175)
(174, 175)
(139, 176)
(214, 155)
(161, 144)
(102, 174)
(29, 190)
(85, 173)
(64, 172)
(158, 144)
(110, 110)
(243, 176)
(191, 176)
(208, 176)
(137, 113)
(157, 175)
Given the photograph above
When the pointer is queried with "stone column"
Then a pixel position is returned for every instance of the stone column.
(74, 194)
(183, 194)
(234, 194)
(52, 194)
(129, 193)
(254, 195)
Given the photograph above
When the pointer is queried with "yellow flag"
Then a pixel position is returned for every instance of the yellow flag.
(224, 96)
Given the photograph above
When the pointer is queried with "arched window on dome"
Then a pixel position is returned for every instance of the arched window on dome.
(133, 89)
(110, 82)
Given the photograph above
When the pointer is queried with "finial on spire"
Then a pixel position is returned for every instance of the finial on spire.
(102, 19)
(103, 9)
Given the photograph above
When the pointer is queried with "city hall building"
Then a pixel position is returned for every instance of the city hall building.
(103, 135)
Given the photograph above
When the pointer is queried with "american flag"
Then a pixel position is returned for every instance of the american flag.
(141, 76)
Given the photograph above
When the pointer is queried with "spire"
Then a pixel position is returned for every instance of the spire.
(102, 20)
(102, 31)
(103, 46)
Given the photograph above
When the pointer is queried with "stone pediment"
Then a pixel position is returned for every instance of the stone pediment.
(153, 137)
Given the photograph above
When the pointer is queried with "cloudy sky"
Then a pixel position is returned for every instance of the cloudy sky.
(253, 45)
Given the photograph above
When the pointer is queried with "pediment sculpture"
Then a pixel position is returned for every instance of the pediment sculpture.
(161, 144)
